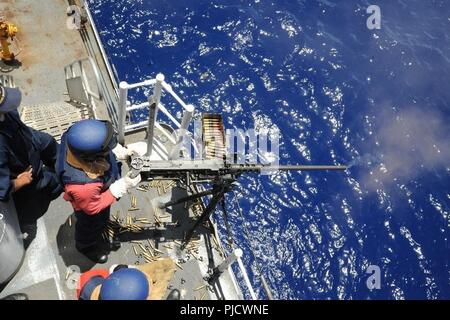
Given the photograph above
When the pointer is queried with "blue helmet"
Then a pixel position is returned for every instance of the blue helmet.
(90, 138)
(125, 284)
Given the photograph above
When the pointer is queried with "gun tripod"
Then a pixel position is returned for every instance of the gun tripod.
(220, 188)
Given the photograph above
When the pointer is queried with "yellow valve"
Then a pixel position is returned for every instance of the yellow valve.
(7, 31)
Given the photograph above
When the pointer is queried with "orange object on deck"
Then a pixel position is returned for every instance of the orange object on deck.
(7, 31)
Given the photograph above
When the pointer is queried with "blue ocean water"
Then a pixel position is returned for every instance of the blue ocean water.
(377, 100)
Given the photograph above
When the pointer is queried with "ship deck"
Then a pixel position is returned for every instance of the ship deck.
(51, 263)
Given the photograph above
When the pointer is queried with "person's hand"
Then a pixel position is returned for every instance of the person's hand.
(132, 182)
(138, 148)
(120, 187)
(24, 179)
(121, 152)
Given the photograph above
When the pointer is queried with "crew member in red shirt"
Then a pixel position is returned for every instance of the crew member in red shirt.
(90, 173)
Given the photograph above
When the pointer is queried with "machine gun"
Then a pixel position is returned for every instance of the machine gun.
(218, 172)
(211, 170)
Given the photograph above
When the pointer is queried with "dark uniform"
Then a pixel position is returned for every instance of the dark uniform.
(21, 147)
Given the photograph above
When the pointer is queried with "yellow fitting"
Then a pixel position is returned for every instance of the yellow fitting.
(7, 31)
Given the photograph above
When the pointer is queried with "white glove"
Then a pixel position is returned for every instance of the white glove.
(138, 148)
(118, 188)
(132, 182)
(121, 152)
(121, 186)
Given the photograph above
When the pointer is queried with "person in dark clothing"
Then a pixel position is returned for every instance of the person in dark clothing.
(27, 164)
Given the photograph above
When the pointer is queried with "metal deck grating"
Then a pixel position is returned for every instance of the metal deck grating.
(53, 118)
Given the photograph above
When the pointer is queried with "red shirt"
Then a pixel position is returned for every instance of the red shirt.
(89, 197)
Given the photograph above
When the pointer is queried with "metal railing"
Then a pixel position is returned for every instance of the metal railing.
(77, 82)
(109, 67)
(154, 105)
(91, 38)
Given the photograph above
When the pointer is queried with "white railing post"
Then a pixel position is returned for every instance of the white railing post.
(232, 258)
(154, 102)
(183, 132)
(236, 255)
(123, 96)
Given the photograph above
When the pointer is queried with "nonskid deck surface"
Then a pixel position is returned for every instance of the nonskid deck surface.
(47, 47)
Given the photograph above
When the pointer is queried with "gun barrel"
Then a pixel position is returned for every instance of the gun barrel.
(287, 167)
(307, 167)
